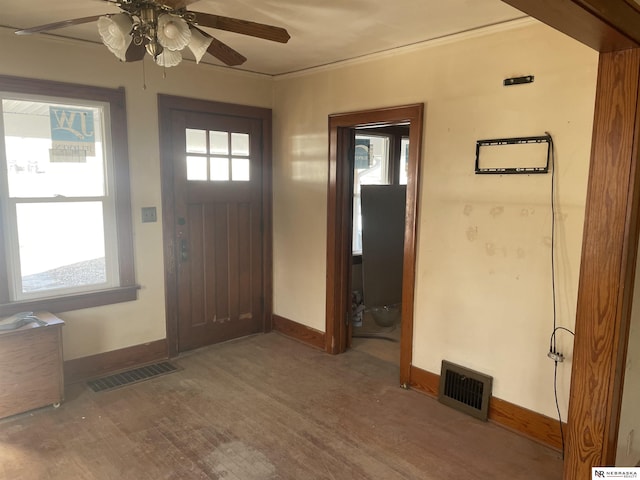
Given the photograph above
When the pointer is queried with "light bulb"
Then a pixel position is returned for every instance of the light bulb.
(173, 32)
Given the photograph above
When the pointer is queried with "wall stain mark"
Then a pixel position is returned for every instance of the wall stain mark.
(490, 249)
(496, 211)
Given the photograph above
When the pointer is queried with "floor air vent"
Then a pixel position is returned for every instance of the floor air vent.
(465, 390)
(131, 376)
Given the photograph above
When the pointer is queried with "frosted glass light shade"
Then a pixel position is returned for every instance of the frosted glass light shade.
(115, 32)
(173, 32)
(199, 44)
(168, 58)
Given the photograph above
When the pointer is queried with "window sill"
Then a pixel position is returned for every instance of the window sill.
(72, 302)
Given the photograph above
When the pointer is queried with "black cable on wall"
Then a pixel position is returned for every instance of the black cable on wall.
(552, 340)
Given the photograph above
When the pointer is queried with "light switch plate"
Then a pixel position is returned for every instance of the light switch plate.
(149, 214)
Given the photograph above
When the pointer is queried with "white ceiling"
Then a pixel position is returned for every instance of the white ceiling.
(322, 31)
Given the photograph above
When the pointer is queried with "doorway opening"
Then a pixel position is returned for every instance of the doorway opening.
(343, 130)
(379, 203)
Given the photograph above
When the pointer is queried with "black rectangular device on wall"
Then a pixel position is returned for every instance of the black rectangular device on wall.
(519, 155)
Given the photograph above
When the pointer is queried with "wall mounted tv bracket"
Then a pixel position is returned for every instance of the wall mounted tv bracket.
(499, 160)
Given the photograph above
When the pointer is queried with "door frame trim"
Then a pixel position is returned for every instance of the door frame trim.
(167, 104)
(339, 224)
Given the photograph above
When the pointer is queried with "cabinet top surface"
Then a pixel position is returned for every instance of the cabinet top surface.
(47, 317)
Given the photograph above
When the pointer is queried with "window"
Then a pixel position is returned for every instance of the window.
(404, 160)
(66, 213)
(371, 168)
(381, 158)
(217, 156)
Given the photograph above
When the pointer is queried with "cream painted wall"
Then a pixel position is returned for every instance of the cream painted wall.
(103, 329)
(483, 291)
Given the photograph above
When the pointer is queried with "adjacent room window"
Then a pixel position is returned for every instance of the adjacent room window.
(381, 157)
(371, 167)
(66, 218)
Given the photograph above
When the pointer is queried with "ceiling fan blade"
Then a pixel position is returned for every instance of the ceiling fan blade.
(259, 30)
(135, 53)
(177, 4)
(225, 53)
(53, 26)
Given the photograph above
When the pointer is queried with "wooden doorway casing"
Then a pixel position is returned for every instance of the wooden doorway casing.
(339, 223)
(166, 105)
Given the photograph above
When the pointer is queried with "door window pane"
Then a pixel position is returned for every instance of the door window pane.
(196, 141)
(228, 156)
(196, 168)
(240, 170)
(78, 243)
(219, 143)
(240, 144)
(219, 169)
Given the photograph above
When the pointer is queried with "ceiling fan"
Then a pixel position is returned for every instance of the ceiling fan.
(163, 28)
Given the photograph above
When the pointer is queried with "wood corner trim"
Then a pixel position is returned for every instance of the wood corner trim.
(533, 425)
(297, 331)
(85, 368)
(424, 381)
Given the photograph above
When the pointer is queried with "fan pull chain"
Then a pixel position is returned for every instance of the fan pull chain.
(144, 76)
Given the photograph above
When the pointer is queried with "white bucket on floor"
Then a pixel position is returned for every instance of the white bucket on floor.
(386, 315)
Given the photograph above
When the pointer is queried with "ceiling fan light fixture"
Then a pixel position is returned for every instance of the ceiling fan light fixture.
(168, 58)
(199, 44)
(115, 32)
(173, 32)
(164, 28)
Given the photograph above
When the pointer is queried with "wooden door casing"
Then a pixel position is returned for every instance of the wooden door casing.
(339, 221)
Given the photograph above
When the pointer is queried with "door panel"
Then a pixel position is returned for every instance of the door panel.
(218, 228)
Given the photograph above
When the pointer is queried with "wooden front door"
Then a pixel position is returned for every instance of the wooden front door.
(217, 231)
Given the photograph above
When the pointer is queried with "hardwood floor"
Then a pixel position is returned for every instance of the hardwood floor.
(265, 407)
(379, 348)
(382, 343)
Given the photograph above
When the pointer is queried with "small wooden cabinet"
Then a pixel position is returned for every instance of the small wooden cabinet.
(31, 368)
